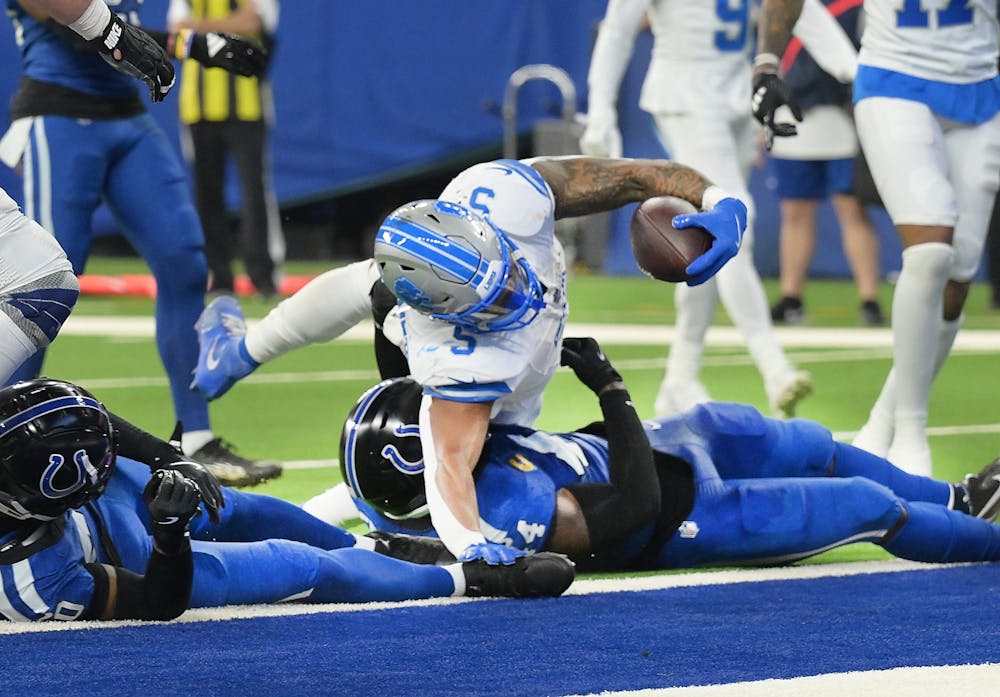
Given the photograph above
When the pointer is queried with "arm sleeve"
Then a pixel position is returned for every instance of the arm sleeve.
(178, 10)
(136, 444)
(612, 50)
(162, 593)
(826, 41)
(632, 498)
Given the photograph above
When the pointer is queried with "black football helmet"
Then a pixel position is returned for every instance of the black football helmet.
(380, 454)
(57, 449)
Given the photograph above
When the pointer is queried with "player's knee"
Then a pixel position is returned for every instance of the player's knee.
(871, 507)
(932, 259)
(40, 308)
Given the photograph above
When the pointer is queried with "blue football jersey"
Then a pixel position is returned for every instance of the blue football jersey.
(53, 582)
(49, 58)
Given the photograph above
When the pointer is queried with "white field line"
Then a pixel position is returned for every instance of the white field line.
(798, 337)
(923, 681)
(580, 587)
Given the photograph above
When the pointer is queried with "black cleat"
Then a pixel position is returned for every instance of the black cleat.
(871, 314)
(231, 469)
(542, 575)
(984, 491)
(412, 548)
(788, 310)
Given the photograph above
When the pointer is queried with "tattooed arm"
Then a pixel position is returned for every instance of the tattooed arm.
(774, 25)
(585, 185)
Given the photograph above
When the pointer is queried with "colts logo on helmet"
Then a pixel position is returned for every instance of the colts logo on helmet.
(84, 470)
(392, 454)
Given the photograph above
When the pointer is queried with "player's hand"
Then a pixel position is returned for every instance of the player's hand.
(491, 553)
(172, 500)
(769, 93)
(592, 367)
(130, 50)
(726, 223)
(209, 489)
(601, 138)
(229, 52)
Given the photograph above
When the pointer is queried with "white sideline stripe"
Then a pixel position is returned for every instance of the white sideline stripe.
(801, 337)
(898, 682)
(583, 587)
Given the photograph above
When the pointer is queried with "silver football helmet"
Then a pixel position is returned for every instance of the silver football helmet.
(447, 261)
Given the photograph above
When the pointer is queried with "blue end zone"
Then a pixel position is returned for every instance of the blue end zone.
(577, 644)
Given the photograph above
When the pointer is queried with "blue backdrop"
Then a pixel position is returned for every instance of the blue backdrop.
(369, 92)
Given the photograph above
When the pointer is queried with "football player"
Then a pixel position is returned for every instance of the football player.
(927, 108)
(481, 284)
(88, 532)
(39, 287)
(696, 89)
(720, 484)
(81, 136)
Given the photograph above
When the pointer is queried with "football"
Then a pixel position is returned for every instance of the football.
(662, 251)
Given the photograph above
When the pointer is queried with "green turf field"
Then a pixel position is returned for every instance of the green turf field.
(292, 408)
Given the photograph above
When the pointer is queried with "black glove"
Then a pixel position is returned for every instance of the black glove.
(230, 52)
(209, 488)
(172, 500)
(130, 50)
(585, 357)
(769, 93)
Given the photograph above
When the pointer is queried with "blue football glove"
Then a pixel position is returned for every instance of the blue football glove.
(491, 553)
(726, 223)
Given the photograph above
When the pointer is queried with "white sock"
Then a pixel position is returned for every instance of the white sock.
(743, 297)
(334, 506)
(695, 309)
(458, 576)
(15, 347)
(193, 441)
(362, 542)
(322, 310)
(916, 319)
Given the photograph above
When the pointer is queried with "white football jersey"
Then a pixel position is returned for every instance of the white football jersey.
(951, 41)
(511, 367)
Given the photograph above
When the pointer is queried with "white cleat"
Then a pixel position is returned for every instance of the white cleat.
(911, 456)
(875, 437)
(788, 392)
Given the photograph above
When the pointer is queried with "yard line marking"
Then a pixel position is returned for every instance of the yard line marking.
(899, 682)
(801, 337)
(579, 587)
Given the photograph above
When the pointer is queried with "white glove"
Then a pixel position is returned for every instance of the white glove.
(601, 138)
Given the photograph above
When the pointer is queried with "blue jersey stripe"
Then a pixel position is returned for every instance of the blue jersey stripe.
(529, 174)
(474, 392)
(47, 407)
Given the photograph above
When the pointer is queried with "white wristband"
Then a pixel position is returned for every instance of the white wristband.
(712, 196)
(91, 23)
(766, 59)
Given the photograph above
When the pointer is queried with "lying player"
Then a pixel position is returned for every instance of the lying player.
(716, 485)
(85, 534)
(480, 281)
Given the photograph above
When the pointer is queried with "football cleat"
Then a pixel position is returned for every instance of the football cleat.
(984, 491)
(871, 314)
(222, 355)
(412, 548)
(791, 390)
(231, 469)
(542, 575)
(788, 310)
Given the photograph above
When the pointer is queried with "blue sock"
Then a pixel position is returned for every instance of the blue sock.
(936, 534)
(250, 517)
(855, 462)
